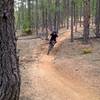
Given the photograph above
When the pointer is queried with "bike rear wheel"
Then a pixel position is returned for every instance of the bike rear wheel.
(51, 45)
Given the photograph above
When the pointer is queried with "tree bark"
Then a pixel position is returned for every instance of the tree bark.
(81, 11)
(72, 21)
(29, 13)
(97, 22)
(37, 18)
(68, 14)
(46, 24)
(86, 20)
(9, 66)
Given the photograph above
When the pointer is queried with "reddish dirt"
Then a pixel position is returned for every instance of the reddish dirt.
(65, 74)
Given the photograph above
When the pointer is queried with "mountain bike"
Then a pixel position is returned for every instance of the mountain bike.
(51, 45)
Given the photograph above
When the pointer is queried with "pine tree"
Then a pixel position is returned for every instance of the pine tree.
(9, 66)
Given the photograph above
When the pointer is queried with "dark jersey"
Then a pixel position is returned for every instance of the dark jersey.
(53, 37)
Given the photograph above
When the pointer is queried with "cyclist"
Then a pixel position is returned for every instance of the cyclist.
(53, 36)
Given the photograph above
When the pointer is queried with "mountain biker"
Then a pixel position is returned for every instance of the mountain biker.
(53, 36)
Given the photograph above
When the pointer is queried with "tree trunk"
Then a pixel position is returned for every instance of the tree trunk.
(49, 15)
(37, 18)
(81, 10)
(86, 20)
(43, 16)
(72, 21)
(97, 22)
(93, 10)
(9, 67)
(76, 18)
(46, 12)
(29, 14)
(55, 17)
(19, 18)
(67, 14)
(74, 7)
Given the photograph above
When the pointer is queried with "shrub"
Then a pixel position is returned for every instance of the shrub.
(27, 31)
(87, 50)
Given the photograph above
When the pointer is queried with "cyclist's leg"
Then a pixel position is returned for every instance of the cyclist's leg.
(55, 40)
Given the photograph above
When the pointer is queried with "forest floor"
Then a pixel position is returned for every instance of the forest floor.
(65, 74)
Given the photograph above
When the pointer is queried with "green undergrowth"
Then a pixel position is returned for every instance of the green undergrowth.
(86, 50)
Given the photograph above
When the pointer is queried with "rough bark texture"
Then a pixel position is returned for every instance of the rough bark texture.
(86, 20)
(9, 69)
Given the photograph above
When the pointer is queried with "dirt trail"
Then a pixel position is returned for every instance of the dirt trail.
(44, 77)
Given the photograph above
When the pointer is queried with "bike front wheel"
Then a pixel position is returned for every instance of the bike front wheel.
(49, 48)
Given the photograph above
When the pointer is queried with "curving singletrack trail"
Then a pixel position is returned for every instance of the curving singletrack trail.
(55, 77)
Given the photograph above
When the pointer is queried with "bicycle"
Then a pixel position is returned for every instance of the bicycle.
(51, 45)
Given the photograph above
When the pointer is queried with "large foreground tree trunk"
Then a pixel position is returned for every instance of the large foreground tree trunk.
(9, 69)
